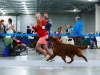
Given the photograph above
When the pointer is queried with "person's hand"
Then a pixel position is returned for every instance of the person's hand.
(10, 27)
(46, 20)
(32, 25)
(35, 33)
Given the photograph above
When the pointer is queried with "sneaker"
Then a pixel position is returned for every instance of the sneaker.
(51, 60)
(47, 57)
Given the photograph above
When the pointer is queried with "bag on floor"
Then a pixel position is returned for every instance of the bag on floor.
(6, 51)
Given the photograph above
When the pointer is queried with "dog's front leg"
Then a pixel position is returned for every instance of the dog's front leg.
(64, 58)
(51, 57)
(72, 59)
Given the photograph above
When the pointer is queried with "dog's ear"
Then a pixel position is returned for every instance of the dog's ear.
(56, 38)
(51, 36)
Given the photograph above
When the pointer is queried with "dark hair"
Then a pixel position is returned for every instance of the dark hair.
(46, 13)
(10, 20)
(28, 26)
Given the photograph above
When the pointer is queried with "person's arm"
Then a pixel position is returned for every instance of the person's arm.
(33, 27)
(76, 28)
(4, 29)
(69, 31)
(7, 28)
(12, 27)
(49, 22)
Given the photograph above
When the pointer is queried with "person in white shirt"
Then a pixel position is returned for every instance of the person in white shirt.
(10, 27)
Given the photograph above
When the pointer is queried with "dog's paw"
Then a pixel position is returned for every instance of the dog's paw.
(51, 60)
(86, 61)
(47, 60)
(68, 62)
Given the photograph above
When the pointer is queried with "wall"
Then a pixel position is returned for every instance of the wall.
(18, 23)
(62, 20)
(97, 17)
(89, 22)
(26, 20)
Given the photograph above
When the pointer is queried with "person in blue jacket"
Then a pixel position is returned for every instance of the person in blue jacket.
(77, 30)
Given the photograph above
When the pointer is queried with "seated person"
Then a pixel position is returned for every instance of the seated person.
(70, 30)
(19, 37)
(67, 28)
(58, 37)
(92, 39)
(29, 30)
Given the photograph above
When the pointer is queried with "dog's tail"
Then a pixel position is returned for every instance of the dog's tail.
(83, 47)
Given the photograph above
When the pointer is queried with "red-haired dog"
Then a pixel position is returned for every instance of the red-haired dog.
(64, 50)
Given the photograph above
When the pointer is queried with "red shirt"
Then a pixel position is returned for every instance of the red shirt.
(38, 29)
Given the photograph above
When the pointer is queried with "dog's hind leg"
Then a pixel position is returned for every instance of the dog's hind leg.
(79, 54)
(72, 59)
(51, 57)
(64, 58)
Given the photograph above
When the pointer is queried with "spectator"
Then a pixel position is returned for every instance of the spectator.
(29, 30)
(77, 30)
(61, 36)
(70, 30)
(58, 31)
(10, 27)
(93, 41)
(48, 26)
(61, 29)
(67, 28)
(48, 22)
(2, 31)
(2, 27)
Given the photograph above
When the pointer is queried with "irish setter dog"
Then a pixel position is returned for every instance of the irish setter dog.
(64, 50)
